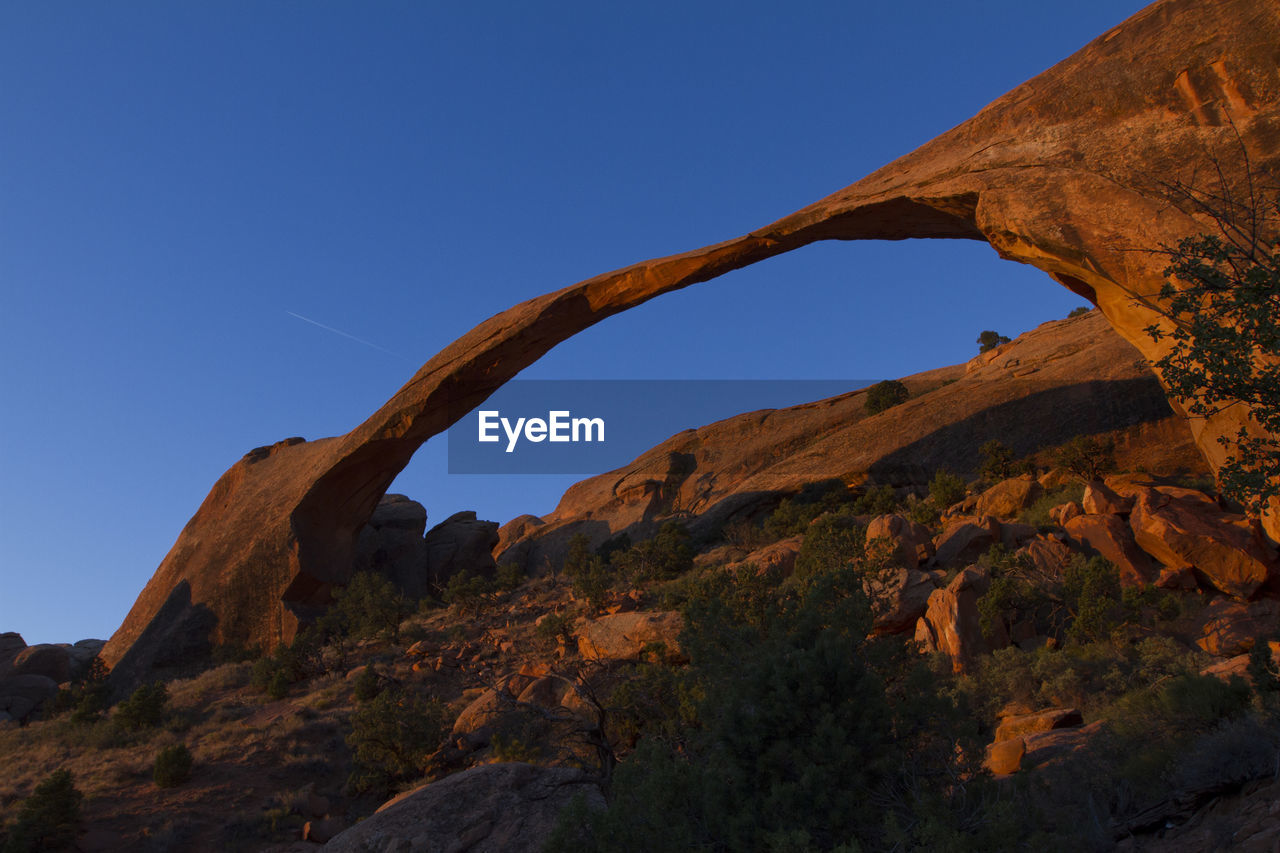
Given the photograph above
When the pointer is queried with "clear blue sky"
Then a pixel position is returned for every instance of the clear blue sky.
(175, 178)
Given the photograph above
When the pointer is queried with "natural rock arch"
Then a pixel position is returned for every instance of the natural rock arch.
(1069, 172)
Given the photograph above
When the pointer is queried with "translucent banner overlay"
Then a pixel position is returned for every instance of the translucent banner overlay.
(536, 426)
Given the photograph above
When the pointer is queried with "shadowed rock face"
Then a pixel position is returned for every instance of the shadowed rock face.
(1067, 172)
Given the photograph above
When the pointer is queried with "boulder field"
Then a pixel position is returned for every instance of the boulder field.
(1076, 172)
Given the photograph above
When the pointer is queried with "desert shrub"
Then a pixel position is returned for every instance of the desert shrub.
(1017, 592)
(1153, 725)
(1087, 457)
(1079, 311)
(554, 628)
(998, 462)
(885, 395)
(86, 697)
(946, 489)
(796, 731)
(511, 748)
(831, 543)
(1088, 676)
(367, 685)
(667, 555)
(789, 519)
(654, 699)
(368, 607)
(920, 511)
(307, 656)
(470, 592)
(509, 577)
(172, 767)
(793, 514)
(49, 819)
(588, 574)
(621, 542)
(877, 500)
(742, 533)
(391, 737)
(1091, 593)
(989, 340)
(144, 709)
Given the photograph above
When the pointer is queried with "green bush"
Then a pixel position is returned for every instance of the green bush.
(144, 709)
(1017, 592)
(1079, 311)
(554, 628)
(368, 685)
(392, 736)
(1088, 676)
(587, 572)
(667, 555)
(1087, 457)
(510, 576)
(47, 820)
(885, 395)
(831, 543)
(999, 463)
(946, 489)
(308, 655)
(1091, 592)
(877, 500)
(789, 730)
(87, 697)
(989, 340)
(368, 607)
(469, 592)
(172, 767)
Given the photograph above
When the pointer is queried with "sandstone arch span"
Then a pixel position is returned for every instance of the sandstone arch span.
(1065, 172)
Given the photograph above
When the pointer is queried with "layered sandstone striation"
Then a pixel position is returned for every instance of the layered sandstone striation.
(1069, 172)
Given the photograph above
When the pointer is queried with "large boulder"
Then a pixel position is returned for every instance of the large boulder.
(627, 636)
(779, 557)
(22, 694)
(391, 544)
(1074, 172)
(51, 661)
(1009, 497)
(1183, 528)
(460, 543)
(1020, 725)
(1101, 499)
(500, 807)
(1047, 554)
(1232, 627)
(1111, 537)
(82, 654)
(963, 541)
(911, 542)
(951, 623)
(11, 643)
(899, 600)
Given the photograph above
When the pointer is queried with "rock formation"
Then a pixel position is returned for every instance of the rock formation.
(1069, 172)
(1062, 379)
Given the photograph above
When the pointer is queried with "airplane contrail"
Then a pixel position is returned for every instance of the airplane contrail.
(344, 334)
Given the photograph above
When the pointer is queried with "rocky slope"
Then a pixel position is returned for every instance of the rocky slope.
(1065, 378)
(1074, 172)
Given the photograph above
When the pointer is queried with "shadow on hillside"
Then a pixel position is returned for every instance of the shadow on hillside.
(1039, 421)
